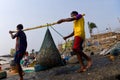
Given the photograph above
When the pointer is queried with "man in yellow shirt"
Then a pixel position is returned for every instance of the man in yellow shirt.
(79, 37)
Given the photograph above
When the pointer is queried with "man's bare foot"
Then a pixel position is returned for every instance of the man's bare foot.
(20, 79)
(23, 73)
(89, 64)
(83, 69)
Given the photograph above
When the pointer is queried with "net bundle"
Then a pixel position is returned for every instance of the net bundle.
(49, 55)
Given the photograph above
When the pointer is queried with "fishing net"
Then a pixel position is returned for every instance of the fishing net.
(49, 55)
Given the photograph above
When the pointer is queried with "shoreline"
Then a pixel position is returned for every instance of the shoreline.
(6, 55)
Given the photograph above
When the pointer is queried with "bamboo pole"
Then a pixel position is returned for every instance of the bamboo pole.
(41, 26)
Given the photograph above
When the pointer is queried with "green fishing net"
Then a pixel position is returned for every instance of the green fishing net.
(49, 55)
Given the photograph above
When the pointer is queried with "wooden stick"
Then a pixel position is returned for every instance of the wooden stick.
(51, 24)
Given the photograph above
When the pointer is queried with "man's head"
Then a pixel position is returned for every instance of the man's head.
(19, 27)
(74, 13)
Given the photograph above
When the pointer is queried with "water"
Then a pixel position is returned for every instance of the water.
(5, 60)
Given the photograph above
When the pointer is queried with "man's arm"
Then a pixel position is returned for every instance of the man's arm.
(70, 19)
(13, 36)
(68, 36)
(65, 20)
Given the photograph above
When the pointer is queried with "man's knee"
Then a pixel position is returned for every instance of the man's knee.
(75, 50)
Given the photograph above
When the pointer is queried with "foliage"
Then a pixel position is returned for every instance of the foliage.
(91, 26)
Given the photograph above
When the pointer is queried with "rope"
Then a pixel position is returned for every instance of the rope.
(62, 37)
(57, 32)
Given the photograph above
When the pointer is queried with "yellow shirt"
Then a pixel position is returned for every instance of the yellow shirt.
(79, 28)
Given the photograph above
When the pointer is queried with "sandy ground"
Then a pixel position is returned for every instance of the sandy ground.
(102, 69)
(4, 66)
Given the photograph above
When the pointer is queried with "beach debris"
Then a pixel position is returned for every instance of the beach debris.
(32, 64)
(3, 74)
(103, 52)
(38, 67)
(49, 55)
(114, 50)
(28, 69)
(73, 59)
(13, 69)
(111, 57)
(92, 53)
(88, 73)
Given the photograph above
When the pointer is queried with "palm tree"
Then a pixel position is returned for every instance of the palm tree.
(91, 26)
(33, 50)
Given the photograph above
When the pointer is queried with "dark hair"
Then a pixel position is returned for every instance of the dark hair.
(20, 26)
(74, 12)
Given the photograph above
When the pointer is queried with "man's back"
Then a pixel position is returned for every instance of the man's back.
(21, 40)
(79, 27)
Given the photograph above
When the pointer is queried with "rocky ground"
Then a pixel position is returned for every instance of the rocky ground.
(102, 69)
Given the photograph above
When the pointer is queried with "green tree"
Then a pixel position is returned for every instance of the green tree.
(33, 50)
(91, 26)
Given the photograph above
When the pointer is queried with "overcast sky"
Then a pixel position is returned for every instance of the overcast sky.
(31, 13)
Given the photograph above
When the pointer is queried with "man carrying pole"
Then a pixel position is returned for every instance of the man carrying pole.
(21, 45)
(79, 37)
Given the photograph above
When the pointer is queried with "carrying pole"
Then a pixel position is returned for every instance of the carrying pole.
(41, 26)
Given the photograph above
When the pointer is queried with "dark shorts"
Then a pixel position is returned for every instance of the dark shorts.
(18, 56)
(77, 45)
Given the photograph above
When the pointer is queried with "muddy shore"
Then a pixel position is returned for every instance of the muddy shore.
(102, 69)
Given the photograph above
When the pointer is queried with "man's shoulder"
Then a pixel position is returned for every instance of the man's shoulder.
(78, 16)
